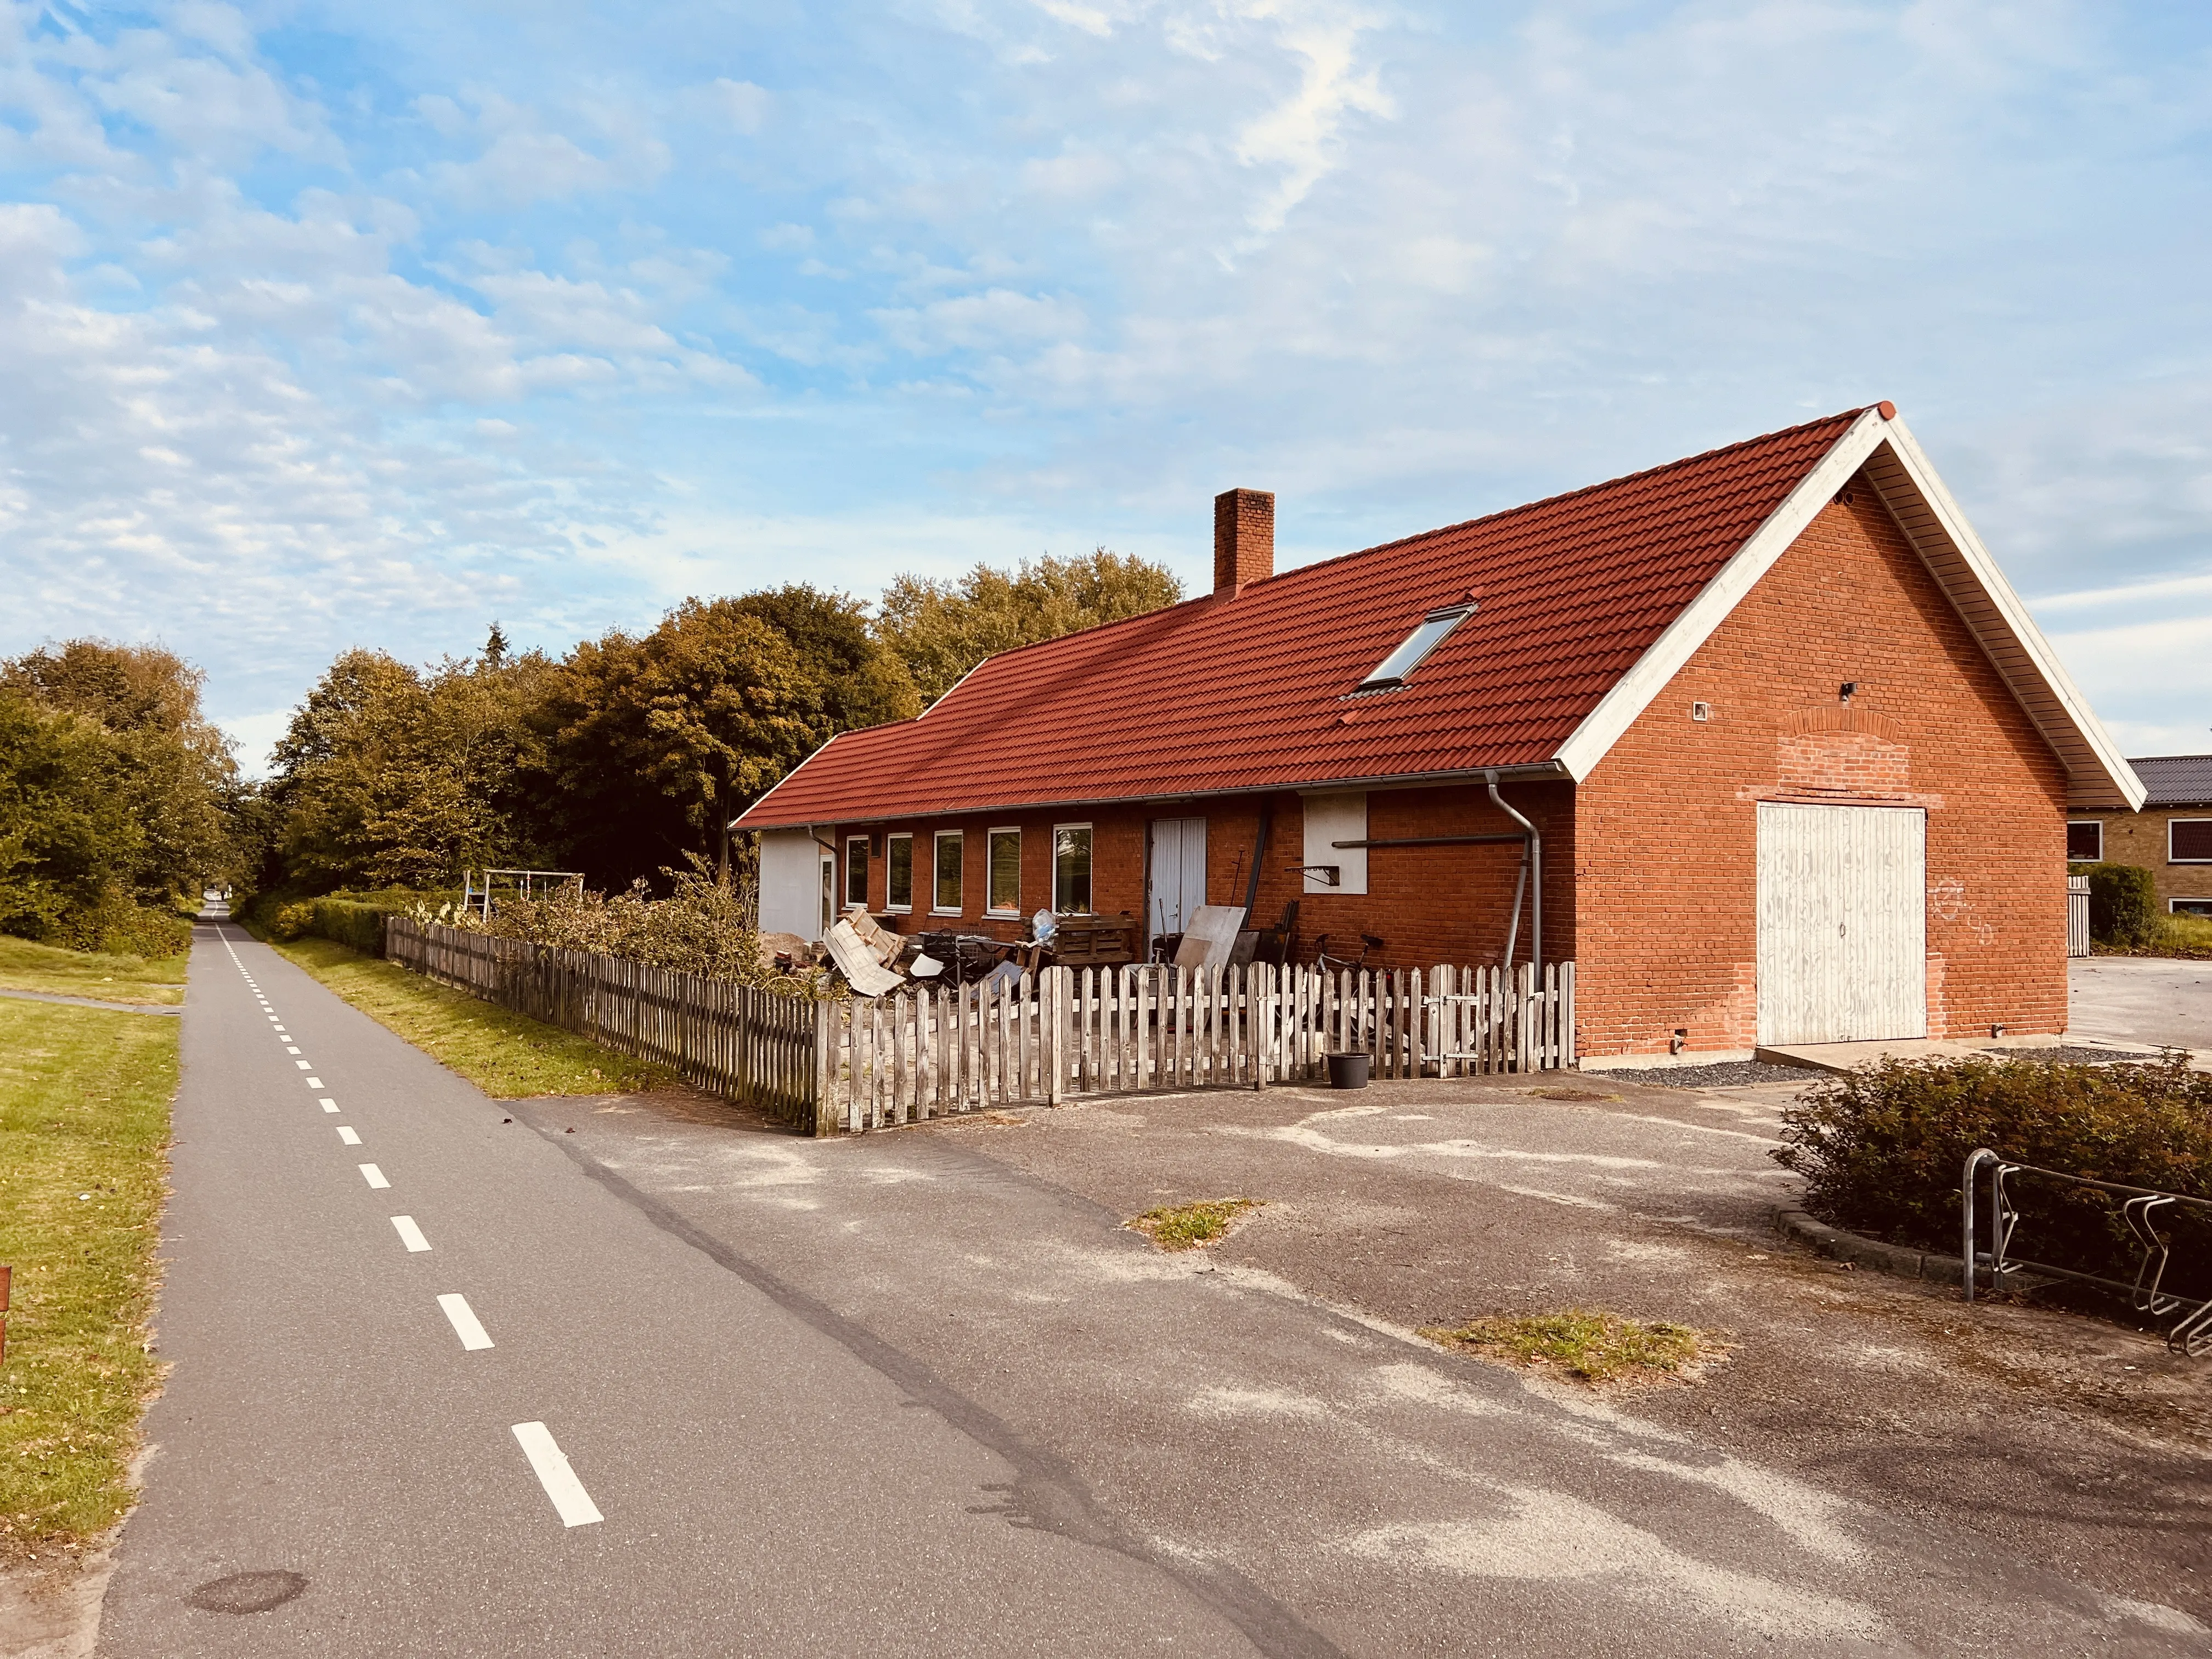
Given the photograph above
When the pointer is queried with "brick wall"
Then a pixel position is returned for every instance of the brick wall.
(1428, 904)
(2140, 838)
(1665, 935)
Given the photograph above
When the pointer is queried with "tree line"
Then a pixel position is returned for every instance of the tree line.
(626, 756)
(117, 796)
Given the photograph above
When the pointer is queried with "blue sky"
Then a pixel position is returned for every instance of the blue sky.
(325, 325)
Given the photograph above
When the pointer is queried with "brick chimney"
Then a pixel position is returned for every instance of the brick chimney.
(1243, 538)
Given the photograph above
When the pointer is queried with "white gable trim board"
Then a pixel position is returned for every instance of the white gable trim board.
(1932, 522)
(1938, 529)
(1634, 692)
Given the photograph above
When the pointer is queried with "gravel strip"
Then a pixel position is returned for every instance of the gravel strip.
(1729, 1074)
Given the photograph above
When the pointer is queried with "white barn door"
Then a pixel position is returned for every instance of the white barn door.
(1177, 879)
(1843, 923)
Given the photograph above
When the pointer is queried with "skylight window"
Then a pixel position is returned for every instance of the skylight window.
(1394, 669)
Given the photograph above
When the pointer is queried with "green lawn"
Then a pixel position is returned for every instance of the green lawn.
(28, 967)
(84, 1125)
(508, 1056)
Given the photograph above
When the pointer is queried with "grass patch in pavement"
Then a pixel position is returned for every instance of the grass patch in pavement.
(1592, 1344)
(1187, 1226)
(84, 1122)
(25, 966)
(508, 1055)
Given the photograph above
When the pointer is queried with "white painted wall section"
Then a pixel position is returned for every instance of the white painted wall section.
(790, 883)
(1329, 819)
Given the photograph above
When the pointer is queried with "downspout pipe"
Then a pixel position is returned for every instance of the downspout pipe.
(1536, 877)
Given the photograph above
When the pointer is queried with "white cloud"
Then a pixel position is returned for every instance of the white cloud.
(744, 105)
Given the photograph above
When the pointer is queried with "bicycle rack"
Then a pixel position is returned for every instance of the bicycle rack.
(2191, 1334)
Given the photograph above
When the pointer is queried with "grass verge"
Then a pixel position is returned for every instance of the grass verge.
(508, 1055)
(1592, 1344)
(25, 966)
(84, 1121)
(1188, 1226)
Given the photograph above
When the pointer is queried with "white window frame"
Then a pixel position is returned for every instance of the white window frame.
(990, 835)
(2170, 859)
(851, 841)
(2173, 905)
(936, 840)
(891, 908)
(1093, 829)
(2072, 824)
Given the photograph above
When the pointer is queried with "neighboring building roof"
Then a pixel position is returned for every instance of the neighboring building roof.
(1588, 603)
(2176, 779)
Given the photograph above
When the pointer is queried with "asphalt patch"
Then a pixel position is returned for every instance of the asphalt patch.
(247, 1592)
(2070, 1057)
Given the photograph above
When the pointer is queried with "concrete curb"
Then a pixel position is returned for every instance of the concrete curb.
(1838, 1245)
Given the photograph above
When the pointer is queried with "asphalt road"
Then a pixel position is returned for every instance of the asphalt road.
(887, 1395)
(771, 1479)
(2147, 1000)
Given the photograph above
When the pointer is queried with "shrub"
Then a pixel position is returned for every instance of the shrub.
(289, 922)
(2123, 903)
(1881, 1149)
(702, 927)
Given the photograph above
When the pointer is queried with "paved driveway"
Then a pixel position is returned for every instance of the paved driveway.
(2143, 1000)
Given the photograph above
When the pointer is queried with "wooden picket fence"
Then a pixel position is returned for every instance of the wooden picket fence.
(750, 1045)
(924, 1052)
(852, 1064)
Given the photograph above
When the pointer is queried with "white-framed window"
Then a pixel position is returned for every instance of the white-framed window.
(1003, 859)
(1071, 869)
(856, 870)
(2189, 841)
(898, 873)
(2085, 841)
(2189, 907)
(945, 874)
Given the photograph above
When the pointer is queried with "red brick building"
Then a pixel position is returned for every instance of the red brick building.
(1792, 760)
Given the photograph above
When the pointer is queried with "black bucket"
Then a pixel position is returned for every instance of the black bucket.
(1349, 1071)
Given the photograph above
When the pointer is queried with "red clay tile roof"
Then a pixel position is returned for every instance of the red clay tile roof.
(1250, 692)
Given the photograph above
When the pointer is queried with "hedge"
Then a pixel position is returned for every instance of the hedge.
(2122, 903)
(353, 919)
(1882, 1150)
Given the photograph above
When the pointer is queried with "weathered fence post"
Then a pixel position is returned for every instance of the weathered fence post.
(825, 1069)
(1054, 998)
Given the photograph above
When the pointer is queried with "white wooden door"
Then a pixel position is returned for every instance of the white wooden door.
(1177, 881)
(1843, 923)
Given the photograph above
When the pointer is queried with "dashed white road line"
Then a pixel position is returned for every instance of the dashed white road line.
(465, 1324)
(373, 1176)
(314, 1082)
(289, 1049)
(570, 1501)
(347, 1137)
(301, 1064)
(409, 1234)
(328, 1105)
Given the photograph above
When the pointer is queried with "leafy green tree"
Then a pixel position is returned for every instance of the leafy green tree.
(112, 792)
(941, 630)
(652, 745)
(391, 777)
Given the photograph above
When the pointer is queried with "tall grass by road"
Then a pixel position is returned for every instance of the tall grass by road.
(509, 1056)
(84, 1125)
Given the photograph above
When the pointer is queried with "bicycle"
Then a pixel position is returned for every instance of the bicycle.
(1329, 965)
